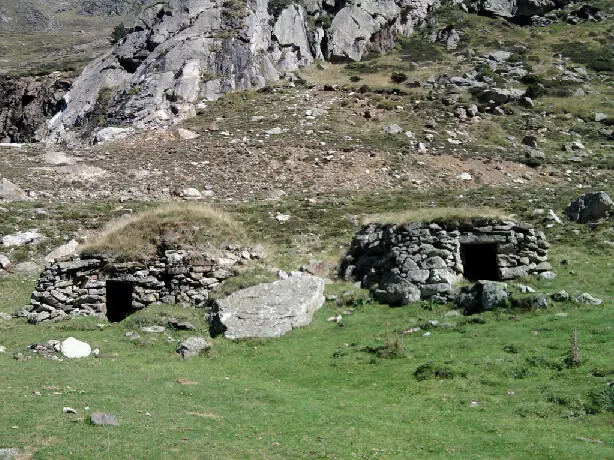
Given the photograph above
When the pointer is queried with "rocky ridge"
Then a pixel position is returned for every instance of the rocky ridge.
(181, 54)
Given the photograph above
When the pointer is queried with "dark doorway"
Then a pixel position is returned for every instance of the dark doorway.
(119, 300)
(479, 261)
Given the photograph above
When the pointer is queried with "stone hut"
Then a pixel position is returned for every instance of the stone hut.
(98, 285)
(402, 263)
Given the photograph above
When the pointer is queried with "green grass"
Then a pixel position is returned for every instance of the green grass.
(329, 390)
(172, 226)
(319, 392)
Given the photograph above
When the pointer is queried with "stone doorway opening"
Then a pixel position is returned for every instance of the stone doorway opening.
(119, 299)
(479, 261)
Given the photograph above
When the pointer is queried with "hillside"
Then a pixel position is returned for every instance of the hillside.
(213, 128)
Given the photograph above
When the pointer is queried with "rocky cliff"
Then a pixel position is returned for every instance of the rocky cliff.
(26, 103)
(180, 53)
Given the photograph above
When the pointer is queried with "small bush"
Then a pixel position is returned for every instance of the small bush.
(573, 358)
(119, 33)
(398, 77)
(604, 400)
(521, 373)
(355, 78)
(386, 105)
(364, 89)
(511, 349)
(535, 90)
(429, 371)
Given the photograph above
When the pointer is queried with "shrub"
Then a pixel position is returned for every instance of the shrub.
(573, 358)
(398, 77)
(186, 225)
(417, 49)
(604, 400)
(429, 370)
(364, 89)
(355, 78)
(535, 90)
(119, 33)
(386, 105)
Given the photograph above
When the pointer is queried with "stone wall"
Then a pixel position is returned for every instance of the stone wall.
(78, 286)
(408, 262)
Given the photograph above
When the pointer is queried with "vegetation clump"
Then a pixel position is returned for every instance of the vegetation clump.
(174, 226)
(436, 215)
(120, 32)
(430, 370)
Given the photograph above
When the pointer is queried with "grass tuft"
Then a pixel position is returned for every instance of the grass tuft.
(435, 215)
(173, 226)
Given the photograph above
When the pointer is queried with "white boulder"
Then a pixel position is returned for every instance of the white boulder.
(73, 348)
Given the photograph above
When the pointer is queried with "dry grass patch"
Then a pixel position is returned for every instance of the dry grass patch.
(191, 226)
(436, 215)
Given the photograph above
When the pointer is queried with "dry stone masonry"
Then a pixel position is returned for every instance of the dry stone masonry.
(404, 263)
(98, 285)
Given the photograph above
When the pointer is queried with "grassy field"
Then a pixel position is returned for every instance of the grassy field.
(491, 386)
(320, 392)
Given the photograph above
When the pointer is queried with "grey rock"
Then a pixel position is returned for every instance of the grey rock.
(587, 299)
(21, 238)
(193, 346)
(65, 250)
(590, 206)
(599, 117)
(560, 296)
(181, 325)
(482, 296)
(111, 133)
(547, 275)
(10, 453)
(5, 316)
(270, 309)
(5, 263)
(11, 192)
(103, 419)
(132, 335)
(392, 129)
(500, 95)
(533, 302)
(449, 37)
(396, 291)
(153, 329)
(521, 10)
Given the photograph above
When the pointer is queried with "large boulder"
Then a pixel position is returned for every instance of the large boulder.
(65, 250)
(73, 348)
(590, 206)
(396, 291)
(482, 296)
(193, 346)
(10, 191)
(516, 10)
(268, 310)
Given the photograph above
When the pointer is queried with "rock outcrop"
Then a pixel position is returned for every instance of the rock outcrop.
(268, 310)
(181, 53)
(590, 206)
(517, 10)
(26, 103)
